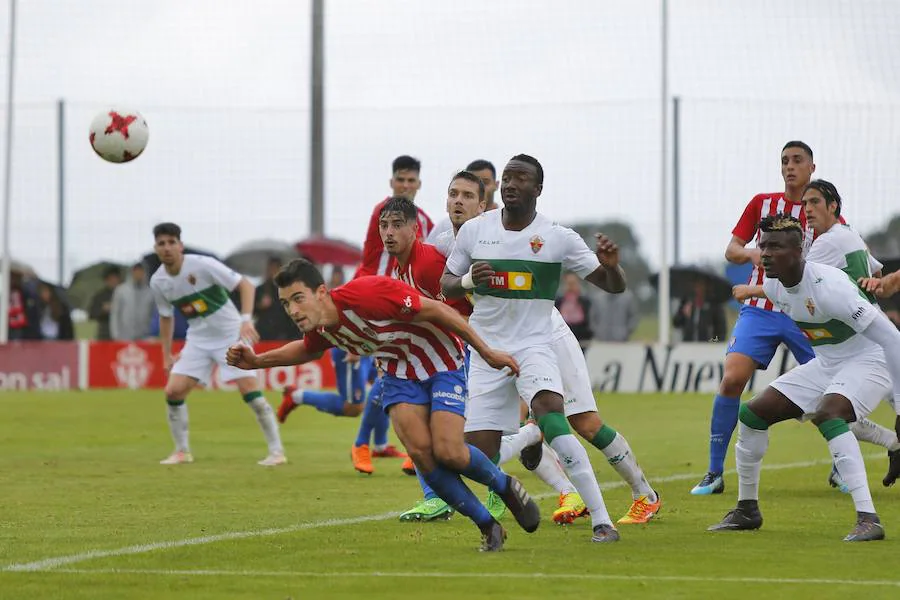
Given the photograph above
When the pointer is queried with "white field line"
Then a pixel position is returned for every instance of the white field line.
(71, 559)
(478, 575)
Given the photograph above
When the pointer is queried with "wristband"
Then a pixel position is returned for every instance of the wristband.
(467, 282)
(246, 318)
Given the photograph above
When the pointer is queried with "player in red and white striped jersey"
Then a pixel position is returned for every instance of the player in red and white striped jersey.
(760, 328)
(418, 342)
(405, 183)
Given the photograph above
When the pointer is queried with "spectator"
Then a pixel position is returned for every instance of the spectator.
(699, 319)
(337, 278)
(614, 317)
(24, 313)
(101, 304)
(55, 320)
(132, 307)
(575, 307)
(272, 322)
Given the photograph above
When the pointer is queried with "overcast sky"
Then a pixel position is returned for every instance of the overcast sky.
(224, 87)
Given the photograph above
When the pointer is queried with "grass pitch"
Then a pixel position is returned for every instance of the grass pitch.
(88, 513)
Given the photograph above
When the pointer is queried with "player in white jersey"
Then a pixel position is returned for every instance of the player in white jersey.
(484, 170)
(199, 287)
(838, 245)
(846, 380)
(512, 260)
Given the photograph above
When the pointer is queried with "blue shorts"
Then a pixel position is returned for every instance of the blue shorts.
(444, 391)
(351, 378)
(758, 332)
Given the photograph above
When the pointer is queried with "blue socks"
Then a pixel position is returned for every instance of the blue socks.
(328, 402)
(372, 414)
(426, 489)
(382, 423)
(455, 493)
(721, 426)
(484, 471)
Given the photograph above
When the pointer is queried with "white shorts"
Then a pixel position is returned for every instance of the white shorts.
(494, 395)
(864, 380)
(578, 394)
(197, 361)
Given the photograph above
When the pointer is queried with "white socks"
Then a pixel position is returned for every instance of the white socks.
(849, 463)
(748, 453)
(619, 455)
(867, 431)
(512, 445)
(297, 396)
(178, 426)
(265, 416)
(551, 472)
(575, 461)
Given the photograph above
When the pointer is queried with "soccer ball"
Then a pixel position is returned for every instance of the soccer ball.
(119, 135)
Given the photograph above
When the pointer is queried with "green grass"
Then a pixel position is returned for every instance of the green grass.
(79, 472)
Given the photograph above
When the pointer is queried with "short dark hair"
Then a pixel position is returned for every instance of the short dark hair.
(402, 205)
(406, 163)
(480, 165)
(112, 270)
(531, 161)
(828, 191)
(468, 175)
(138, 265)
(299, 270)
(783, 223)
(167, 229)
(798, 144)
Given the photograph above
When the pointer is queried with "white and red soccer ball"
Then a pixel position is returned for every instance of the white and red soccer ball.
(119, 135)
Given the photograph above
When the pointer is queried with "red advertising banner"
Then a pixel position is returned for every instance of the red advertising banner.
(39, 366)
(140, 365)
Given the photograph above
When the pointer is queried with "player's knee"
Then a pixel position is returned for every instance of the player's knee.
(586, 424)
(733, 383)
(546, 402)
(175, 393)
(832, 407)
(451, 453)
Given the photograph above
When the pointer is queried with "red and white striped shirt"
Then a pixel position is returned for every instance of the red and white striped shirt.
(375, 259)
(423, 271)
(747, 228)
(375, 318)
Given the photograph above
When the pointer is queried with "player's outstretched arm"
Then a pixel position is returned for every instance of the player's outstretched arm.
(884, 287)
(885, 334)
(439, 313)
(292, 353)
(610, 277)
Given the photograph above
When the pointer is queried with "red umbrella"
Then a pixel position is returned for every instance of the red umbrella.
(328, 251)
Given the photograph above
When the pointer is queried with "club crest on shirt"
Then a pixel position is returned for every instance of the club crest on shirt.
(191, 279)
(811, 307)
(537, 242)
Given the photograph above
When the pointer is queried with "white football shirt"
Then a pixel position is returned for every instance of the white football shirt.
(200, 291)
(513, 311)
